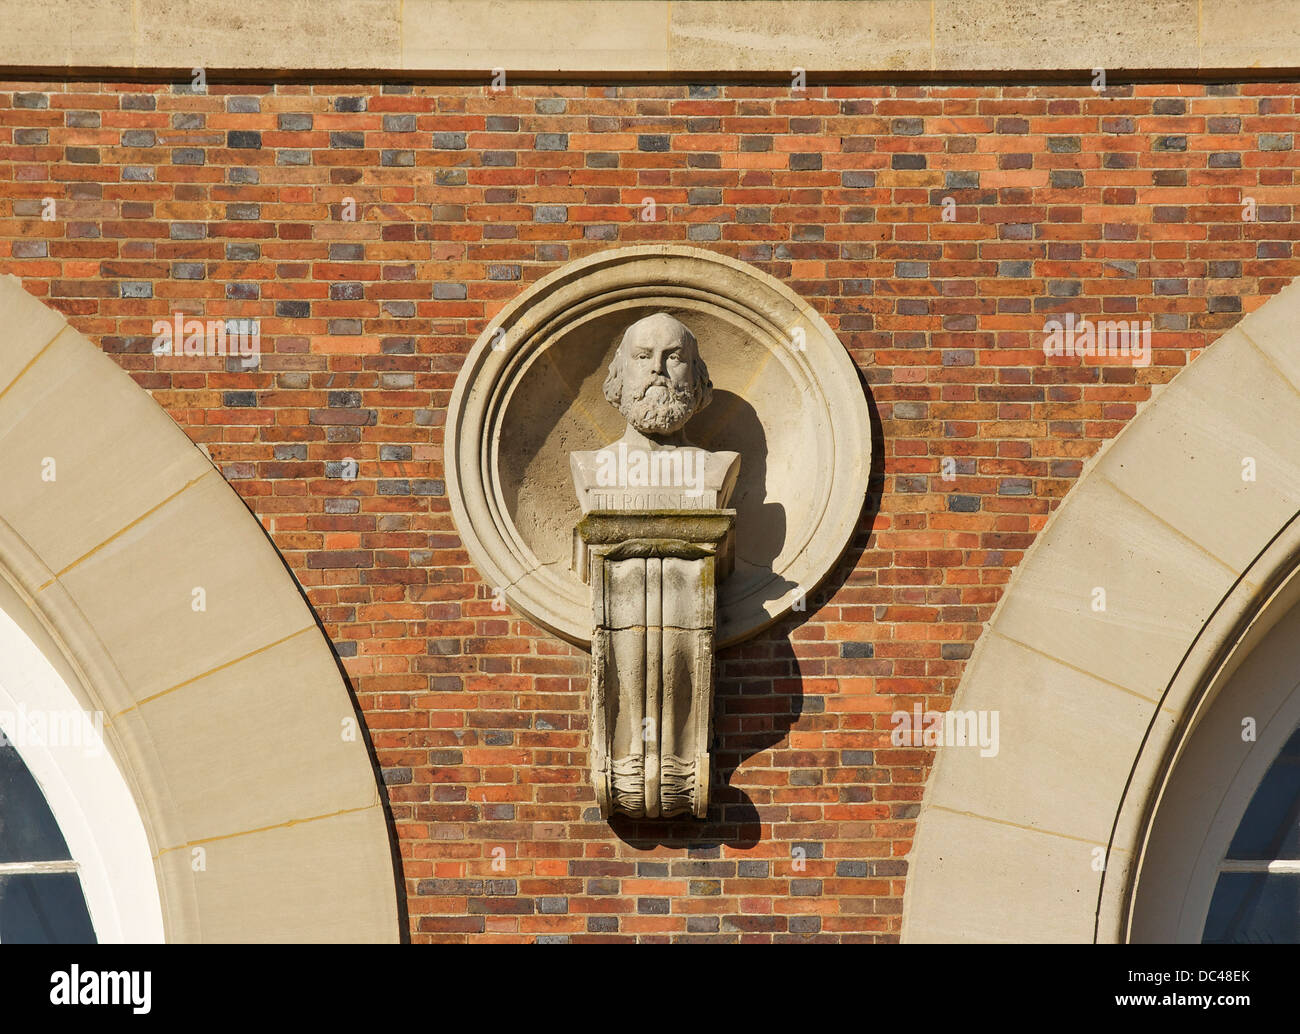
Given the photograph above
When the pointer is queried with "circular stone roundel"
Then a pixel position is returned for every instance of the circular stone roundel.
(786, 397)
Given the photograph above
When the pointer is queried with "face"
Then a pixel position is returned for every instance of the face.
(659, 359)
(660, 392)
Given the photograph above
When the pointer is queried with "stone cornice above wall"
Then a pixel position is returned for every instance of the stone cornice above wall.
(589, 39)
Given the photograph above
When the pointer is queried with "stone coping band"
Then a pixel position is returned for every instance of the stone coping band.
(575, 39)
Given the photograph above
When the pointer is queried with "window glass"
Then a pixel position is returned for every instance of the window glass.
(37, 905)
(1257, 895)
(1271, 825)
(44, 908)
(1254, 908)
(28, 832)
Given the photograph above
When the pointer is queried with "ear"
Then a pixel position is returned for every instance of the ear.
(613, 386)
(706, 391)
(702, 379)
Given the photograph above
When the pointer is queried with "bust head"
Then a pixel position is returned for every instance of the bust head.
(657, 379)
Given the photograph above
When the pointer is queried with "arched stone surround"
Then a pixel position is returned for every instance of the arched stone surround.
(1094, 704)
(232, 724)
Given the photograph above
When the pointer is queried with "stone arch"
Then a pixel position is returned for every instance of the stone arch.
(1039, 842)
(265, 822)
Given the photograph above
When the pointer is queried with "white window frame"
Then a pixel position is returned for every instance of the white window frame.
(85, 789)
(1212, 782)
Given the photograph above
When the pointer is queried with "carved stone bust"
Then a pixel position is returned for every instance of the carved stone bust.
(530, 392)
(657, 381)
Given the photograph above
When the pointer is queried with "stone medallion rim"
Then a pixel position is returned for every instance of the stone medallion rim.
(537, 317)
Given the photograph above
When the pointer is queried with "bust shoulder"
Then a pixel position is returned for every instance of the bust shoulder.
(630, 477)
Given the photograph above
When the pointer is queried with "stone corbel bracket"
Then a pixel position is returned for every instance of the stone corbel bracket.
(654, 581)
(787, 398)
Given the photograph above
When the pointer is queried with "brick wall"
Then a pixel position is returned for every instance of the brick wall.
(1131, 203)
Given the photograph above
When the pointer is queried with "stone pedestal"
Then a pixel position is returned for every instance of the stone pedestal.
(653, 575)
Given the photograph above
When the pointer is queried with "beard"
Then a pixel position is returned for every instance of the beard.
(658, 409)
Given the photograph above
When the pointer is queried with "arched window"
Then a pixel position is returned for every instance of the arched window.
(1257, 893)
(75, 861)
(1221, 862)
(41, 901)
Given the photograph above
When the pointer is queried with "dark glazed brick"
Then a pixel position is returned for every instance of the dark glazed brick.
(1123, 205)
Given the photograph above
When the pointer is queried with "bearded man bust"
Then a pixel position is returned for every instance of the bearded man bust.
(654, 541)
(657, 381)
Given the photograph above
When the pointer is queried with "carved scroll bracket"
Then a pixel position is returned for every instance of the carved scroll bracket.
(654, 606)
